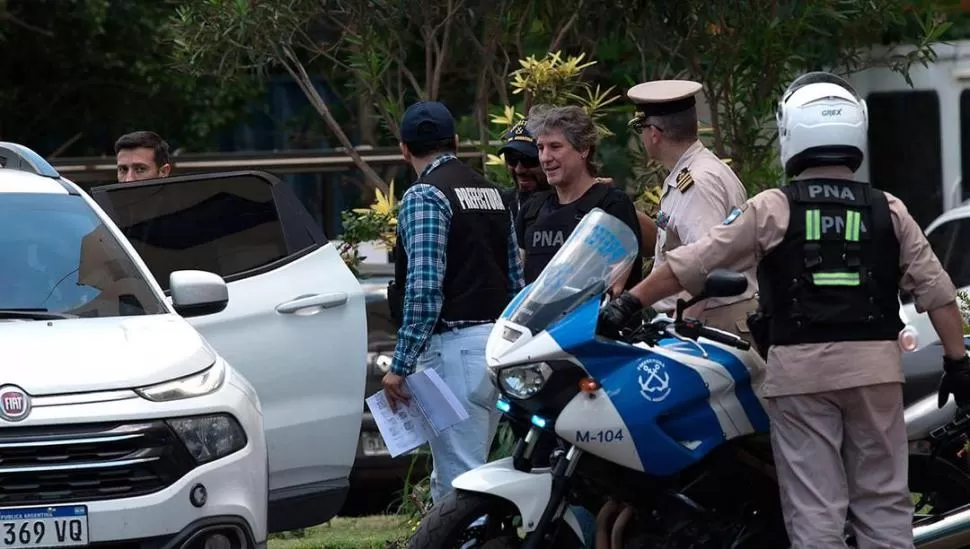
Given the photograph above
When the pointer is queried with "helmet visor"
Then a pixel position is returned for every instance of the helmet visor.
(818, 77)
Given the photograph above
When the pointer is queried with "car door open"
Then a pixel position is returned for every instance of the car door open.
(295, 324)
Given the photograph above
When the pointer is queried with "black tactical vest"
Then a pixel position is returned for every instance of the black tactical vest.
(835, 275)
(476, 282)
(547, 227)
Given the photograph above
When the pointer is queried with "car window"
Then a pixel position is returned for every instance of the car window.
(946, 241)
(57, 255)
(965, 142)
(906, 124)
(949, 244)
(224, 225)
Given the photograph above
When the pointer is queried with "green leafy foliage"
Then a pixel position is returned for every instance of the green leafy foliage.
(963, 301)
(359, 228)
(77, 74)
(745, 58)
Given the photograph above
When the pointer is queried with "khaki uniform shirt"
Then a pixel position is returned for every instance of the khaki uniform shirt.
(685, 216)
(816, 367)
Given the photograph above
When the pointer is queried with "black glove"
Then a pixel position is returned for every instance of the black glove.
(955, 380)
(617, 314)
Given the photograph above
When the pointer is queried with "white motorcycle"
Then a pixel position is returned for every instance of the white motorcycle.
(661, 436)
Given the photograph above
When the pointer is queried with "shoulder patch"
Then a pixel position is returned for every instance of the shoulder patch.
(684, 180)
(735, 213)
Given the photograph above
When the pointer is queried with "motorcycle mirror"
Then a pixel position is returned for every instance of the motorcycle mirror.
(719, 283)
(724, 283)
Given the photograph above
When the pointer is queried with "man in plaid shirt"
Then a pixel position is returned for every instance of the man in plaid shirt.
(458, 263)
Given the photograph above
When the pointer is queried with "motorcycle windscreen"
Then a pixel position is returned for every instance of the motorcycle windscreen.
(600, 250)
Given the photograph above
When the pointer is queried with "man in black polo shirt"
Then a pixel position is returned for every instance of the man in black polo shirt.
(458, 264)
(567, 140)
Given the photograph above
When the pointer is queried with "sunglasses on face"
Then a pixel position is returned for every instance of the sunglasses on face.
(526, 162)
(639, 123)
(637, 126)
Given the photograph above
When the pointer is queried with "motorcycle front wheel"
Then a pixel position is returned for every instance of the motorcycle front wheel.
(466, 520)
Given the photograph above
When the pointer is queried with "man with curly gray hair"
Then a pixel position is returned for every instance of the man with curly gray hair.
(567, 139)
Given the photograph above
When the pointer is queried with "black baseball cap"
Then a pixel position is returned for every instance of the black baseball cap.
(427, 121)
(518, 139)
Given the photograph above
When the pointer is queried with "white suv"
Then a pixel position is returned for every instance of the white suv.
(948, 235)
(120, 420)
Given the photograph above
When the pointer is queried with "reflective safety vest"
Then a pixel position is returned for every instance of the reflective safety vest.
(835, 275)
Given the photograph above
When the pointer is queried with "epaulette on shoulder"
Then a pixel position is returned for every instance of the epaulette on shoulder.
(684, 180)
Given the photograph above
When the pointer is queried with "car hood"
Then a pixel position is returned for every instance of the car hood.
(99, 354)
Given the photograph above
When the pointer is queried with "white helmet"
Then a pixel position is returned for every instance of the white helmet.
(822, 121)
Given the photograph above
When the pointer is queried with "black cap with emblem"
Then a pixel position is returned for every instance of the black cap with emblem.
(519, 139)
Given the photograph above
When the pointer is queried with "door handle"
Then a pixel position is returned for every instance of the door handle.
(312, 301)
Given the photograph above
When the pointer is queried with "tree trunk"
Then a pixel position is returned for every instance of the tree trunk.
(293, 65)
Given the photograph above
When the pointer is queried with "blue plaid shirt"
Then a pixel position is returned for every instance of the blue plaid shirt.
(423, 220)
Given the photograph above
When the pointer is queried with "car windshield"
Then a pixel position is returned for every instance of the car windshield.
(600, 250)
(57, 256)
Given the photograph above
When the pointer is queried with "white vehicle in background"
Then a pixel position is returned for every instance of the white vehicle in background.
(949, 235)
(180, 361)
(919, 150)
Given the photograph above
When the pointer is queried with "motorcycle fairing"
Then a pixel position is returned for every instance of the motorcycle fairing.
(673, 403)
(670, 404)
(529, 492)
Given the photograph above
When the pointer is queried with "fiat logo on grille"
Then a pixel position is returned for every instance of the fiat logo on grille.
(14, 403)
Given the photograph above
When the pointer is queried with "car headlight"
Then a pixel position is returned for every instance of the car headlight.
(523, 382)
(200, 384)
(208, 438)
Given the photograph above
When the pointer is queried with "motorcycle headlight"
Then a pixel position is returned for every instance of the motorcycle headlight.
(200, 384)
(208, 438)
(525, 381)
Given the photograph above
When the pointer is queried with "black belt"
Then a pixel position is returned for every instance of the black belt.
(441, 327)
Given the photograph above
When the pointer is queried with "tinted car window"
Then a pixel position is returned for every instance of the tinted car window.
(946, 243)
(905, 155)
(965, 142)
(225, 225)
(57, 255)
(949, 244)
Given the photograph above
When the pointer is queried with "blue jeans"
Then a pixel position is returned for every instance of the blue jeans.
(458, 356)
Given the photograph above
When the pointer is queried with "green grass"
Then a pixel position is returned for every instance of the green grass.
(374, 532)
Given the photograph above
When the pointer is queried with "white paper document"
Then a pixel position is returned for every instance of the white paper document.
(432, 409)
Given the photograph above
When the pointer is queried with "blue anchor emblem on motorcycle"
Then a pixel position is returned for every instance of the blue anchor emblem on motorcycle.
(654, 380)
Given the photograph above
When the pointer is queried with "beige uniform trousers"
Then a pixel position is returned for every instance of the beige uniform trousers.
(838, 452)
(836, 408)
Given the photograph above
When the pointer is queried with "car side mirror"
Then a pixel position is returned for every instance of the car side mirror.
(197, 293)
(724, 283)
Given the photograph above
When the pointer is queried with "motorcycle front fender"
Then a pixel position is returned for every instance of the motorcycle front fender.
(529, 492)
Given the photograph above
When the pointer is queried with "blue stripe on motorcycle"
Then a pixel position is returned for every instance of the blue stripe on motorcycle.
(658, 434)
(675, 430)
(742, 390)
(515, 301)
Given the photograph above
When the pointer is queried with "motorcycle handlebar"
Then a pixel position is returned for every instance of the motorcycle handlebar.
(726, 339)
